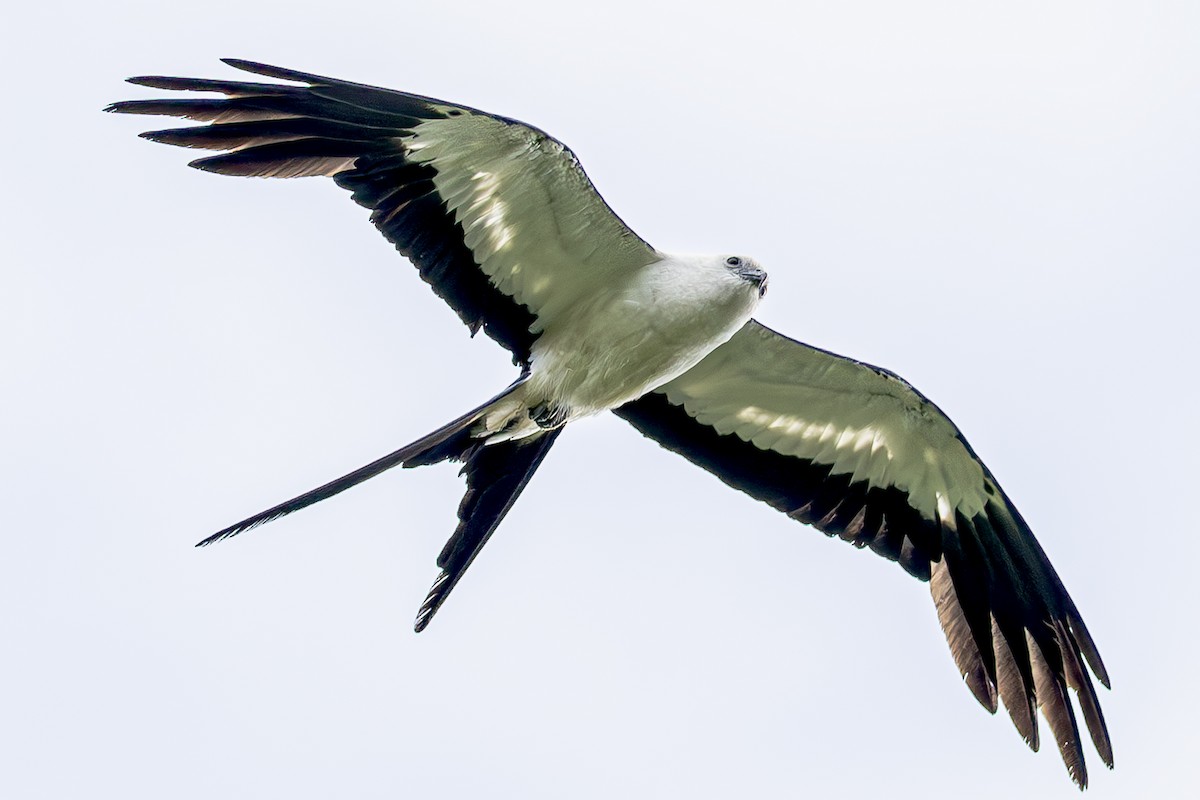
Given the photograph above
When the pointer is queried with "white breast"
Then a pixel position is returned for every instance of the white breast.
(638, 334)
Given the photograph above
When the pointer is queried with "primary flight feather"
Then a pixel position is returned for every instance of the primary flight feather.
(503, 223)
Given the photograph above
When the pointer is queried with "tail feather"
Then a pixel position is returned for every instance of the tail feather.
(496, 475)
(451, 441)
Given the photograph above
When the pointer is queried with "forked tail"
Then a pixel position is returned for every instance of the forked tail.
(451, 441)
(496, 475)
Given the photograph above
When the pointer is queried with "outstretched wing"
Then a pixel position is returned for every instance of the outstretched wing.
(498, 217)
(858, 453)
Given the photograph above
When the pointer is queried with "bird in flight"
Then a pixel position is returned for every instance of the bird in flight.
(501, 221)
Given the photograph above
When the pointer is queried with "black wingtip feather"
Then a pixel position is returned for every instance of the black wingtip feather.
(279, 73)
(1087, 646)
(289, 159)
(991, 582)
(1014, 679)
(227, 87)
(1085, 694)
(126, 107)
(1055, 703)
(354, 133)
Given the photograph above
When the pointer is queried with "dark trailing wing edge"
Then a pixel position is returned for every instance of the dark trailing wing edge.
(352, 133)
(1012, 628)
(409, 212)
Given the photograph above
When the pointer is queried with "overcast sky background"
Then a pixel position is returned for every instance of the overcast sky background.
(998, 201)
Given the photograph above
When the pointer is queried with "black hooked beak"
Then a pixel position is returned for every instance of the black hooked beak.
(754, 275)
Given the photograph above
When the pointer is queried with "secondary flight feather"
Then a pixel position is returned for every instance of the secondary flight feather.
(502, 222)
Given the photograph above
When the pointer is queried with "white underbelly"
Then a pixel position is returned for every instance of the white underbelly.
(622, 341)
(620, 346)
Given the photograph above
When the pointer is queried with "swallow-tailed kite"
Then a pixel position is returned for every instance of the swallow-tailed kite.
(501, 221)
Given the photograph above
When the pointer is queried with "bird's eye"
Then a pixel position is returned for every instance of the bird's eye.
(733, 261)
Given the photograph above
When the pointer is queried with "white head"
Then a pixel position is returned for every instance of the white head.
(747, 269)
(722, 289)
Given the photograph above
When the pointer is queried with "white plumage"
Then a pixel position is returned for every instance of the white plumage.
(502, 222)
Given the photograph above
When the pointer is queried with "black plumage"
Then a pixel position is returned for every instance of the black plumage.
(1014, 632)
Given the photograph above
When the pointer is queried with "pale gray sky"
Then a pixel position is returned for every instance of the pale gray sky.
(998, 201)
